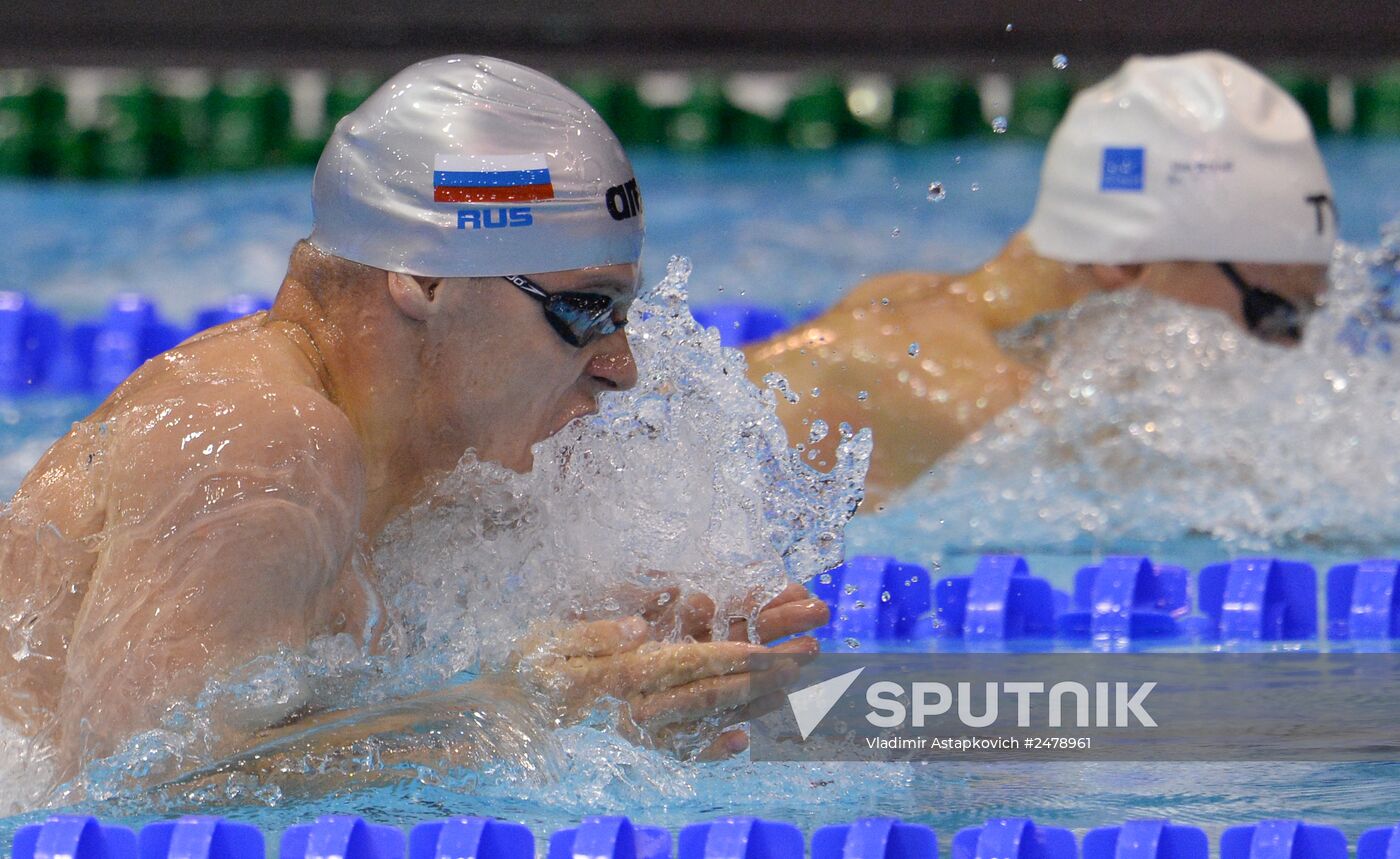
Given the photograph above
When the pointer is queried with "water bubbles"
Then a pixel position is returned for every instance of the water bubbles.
(999, 124)
(1060, 62)
(778, 382)
(936, 192)
(818, 431)
(863, 396)
(913, 350)
(894, 233)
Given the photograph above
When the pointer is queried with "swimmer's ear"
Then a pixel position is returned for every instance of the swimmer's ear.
(413, 296)
(1112, 277)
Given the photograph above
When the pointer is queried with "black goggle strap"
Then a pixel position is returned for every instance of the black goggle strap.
(528, 286)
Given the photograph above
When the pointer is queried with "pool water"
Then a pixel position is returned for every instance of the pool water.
(793, 230)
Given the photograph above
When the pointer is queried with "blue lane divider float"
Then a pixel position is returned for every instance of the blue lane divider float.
(875, 838)
(1380, 843)
(874, 597)
(73, 837)
(1001, 600)
(1363, 601)
(1146, 839)
(39, 352)
(740, 324)
(28, 334)
(132, 332)
(472, 838)
(235, 307)
(346, 837)
(609, 838)
(1013, 838)
(1127, 598)
(1282, 839)
(201, 838)
(1259, 599)
(740, 838)
(341, 837)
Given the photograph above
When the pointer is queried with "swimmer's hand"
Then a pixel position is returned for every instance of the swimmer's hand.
(663, 686)
(693, 616)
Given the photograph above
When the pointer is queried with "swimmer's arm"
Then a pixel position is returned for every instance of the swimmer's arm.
(507, 715)
(231, 523)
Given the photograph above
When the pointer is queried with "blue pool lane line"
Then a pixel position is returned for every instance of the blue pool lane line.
(1123, 599)
(40, 353)
(604, 837)
(200, 838)
(346, 837)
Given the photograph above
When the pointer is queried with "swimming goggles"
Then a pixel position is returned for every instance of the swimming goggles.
(1266, 314)
(577, 317)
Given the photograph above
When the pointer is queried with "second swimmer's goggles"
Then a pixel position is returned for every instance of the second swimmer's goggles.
(577, 317)
(1266, 314)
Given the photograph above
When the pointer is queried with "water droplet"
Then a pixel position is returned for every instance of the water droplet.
(936, 192)
(884, 596)
(977, 186)
(913, 349)
(957, 159)
(1008, 28)
(852, 643)
(816, 392)
(818, 431)
(779, 383)
(1060, 62)
(894, 233)
(998, 125)
(863, 396)
(849, 589)
(884, 302)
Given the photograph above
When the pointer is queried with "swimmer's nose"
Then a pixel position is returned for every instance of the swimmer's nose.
(615, 367)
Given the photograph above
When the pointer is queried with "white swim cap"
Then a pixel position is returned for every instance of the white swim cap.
(1192, 157)
(468, 166)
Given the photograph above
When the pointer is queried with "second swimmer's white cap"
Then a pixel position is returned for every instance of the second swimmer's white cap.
(468, 166)
(1191, 157)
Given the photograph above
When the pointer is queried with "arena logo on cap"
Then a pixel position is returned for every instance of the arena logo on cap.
(1122, 168)
(491, 178)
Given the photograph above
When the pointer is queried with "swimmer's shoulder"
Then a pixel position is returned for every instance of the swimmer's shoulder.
(239, 401)
(896, 289)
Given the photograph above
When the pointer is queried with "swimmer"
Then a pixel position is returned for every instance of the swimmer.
(477, 230)
(1193, 177)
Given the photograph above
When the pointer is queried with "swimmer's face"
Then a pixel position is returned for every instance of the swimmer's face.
(1207, 285)
(504, 379)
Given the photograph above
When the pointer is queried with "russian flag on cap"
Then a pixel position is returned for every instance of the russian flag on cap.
(491, 178)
